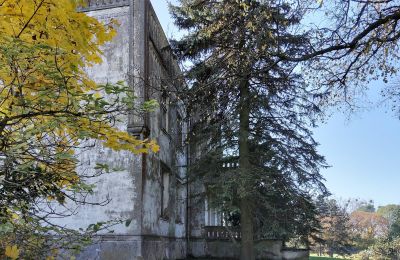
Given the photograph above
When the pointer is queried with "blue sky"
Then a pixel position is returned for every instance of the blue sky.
(362, 148)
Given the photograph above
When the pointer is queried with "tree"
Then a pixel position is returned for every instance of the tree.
(367, 228)
(385, 249)
(356, 204)
(388, 211)
(379, 245)
(367, 207)
(49, 108)
(357, 44)
(335, 236)
(391, 212)
(253, 108)
(339, 59)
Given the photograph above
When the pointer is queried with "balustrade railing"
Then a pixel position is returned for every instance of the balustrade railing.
(221, 233)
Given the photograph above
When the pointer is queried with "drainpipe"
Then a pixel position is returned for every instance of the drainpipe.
(187, 191)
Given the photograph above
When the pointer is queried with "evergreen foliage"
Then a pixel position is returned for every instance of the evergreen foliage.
(335, 236)
(253, 113)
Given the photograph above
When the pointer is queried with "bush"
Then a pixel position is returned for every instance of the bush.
(381, 250)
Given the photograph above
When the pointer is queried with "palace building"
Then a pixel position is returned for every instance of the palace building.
(151, 190)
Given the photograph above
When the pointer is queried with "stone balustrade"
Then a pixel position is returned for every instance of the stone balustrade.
(221, 233)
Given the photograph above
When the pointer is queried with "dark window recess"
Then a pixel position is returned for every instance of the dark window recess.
(180, 203)
(165, 192)
(179, 135)
(164, 111)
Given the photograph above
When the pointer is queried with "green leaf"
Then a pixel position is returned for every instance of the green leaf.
(102, 167)
(128, 222)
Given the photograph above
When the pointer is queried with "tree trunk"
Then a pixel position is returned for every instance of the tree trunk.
(246, 218)
(246, 228)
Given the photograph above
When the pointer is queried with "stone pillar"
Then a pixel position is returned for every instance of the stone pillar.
(138, 71)
(136, 123)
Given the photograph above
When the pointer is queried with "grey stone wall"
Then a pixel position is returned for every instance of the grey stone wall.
(164, 235)
(139, 56)
(119, 185)
(295, 254)
(264, 250)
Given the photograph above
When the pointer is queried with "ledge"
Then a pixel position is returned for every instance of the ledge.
(93, 5)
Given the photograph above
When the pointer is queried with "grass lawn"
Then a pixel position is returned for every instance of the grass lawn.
(314, 257)
(323, 258)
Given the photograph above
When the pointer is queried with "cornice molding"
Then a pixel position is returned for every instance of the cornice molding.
(104, 4)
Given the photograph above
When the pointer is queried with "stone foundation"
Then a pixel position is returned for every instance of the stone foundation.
(225, 249)
(134, 248)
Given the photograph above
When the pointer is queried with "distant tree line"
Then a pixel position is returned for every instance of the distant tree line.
(354, 227)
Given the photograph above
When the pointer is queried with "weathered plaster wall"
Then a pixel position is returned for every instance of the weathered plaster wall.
(123, 185)
(295, 254)
(137, 55)
(164, 235)
(115, 65)
(118, 185)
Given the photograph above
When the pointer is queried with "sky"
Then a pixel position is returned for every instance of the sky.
(362, 148)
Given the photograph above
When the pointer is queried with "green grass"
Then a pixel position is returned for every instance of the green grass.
(325, 258)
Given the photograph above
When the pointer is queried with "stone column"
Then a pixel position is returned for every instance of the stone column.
(136, 124)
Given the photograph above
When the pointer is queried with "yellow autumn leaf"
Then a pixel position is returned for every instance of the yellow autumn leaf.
(45, 99)
(155, 148)
(12, 252)
(15, 216)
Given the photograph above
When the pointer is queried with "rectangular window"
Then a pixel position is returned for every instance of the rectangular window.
(164, 111)
(165, 191)
(179, 135)
(180, 202)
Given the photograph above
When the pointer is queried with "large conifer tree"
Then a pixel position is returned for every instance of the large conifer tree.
(253, 110)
